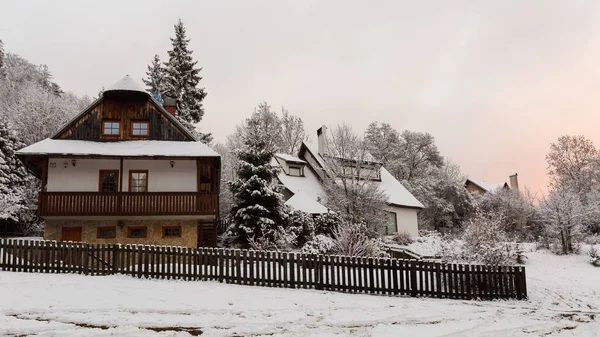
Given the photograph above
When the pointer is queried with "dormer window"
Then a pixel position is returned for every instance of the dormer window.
(111, 127)
(140, 128)
(296, 170)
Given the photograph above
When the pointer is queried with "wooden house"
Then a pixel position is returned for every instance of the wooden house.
(125, 170)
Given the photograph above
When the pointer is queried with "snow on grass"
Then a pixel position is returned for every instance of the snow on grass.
(564, 298)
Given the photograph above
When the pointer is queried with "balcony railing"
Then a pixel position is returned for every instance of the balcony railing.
(126, 203)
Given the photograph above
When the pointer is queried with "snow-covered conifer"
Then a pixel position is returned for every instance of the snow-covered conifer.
(258, 213)
(156, 78)
(182, 78)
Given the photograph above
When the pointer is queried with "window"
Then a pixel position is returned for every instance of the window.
(393, 222)
(111, 128)
(296, 171)
(136, 232)
(140, 129)
(108, 181)
(107, 232)
(138, 181)
(171, 231)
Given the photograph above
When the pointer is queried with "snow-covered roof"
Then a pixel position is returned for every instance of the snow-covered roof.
(314, 150)
(132, 148)
(396, 192)
(289, 158)
(485, 185)
(127, 83)
(304, 203)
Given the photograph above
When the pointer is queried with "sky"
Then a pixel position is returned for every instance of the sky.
(495, 82)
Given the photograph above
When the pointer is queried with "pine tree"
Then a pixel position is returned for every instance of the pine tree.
(257, 214)
(13, 176)
(1, 58)
(156, 78)
(182, 77)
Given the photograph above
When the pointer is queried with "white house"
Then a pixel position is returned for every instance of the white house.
(302, 177)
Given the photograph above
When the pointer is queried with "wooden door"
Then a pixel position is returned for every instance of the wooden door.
(71, 234)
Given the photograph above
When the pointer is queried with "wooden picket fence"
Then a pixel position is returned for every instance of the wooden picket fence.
(270, 269)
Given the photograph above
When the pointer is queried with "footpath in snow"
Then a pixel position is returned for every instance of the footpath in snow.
(564, 301)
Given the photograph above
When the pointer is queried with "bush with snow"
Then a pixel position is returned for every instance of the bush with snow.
(594, 254)
(302, 225)
(402, 238)
(486, 240)
(320, 244)
(326, 223)
(352, 240)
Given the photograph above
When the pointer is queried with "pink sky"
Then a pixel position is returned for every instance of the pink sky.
(494, 82)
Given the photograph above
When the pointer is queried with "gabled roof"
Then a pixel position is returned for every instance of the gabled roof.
(126, 84)
(130, 148)
(397, 194)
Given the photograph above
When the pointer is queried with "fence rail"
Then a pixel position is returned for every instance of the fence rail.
(266, 268)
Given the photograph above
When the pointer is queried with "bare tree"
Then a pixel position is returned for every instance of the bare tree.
(292, 133)
(351, 172)
(563, 215)
(570, 163)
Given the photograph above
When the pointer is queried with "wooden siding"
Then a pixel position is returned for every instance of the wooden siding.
(124, 108)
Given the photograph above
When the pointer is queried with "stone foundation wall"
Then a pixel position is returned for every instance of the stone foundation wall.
(154, 233)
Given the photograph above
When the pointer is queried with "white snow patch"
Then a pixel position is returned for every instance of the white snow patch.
(134, 148)
(564, 301)
(126, 83)
(304, 203)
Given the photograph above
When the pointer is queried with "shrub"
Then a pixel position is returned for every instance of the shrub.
(402, 238)
(485, 240)
(302, 225)
(320, 244)
(326, 223)
(594, 256)
(352, 240)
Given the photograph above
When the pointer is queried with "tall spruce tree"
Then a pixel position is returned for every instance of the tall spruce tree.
(13, 176)
(1, 58)
(156, 78)
(258, 213)
(182, 78)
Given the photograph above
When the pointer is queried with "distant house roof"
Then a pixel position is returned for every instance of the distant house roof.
(132, 148)
(485, 185)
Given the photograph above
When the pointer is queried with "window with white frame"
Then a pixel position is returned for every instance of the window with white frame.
(296, 171)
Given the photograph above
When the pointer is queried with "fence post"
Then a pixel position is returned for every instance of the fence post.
(413, 278)
(319, 272)
(116, 252)
(86, 259)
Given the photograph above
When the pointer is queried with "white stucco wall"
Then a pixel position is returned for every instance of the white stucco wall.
(84, 176)
(406, 219)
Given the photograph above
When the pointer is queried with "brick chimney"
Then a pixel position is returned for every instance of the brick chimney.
(514, 182)
(322, 140)
(170, 105)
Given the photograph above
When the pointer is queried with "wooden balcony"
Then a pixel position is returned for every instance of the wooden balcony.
(126, 203)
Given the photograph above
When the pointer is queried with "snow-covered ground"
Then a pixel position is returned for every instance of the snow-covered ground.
(564, 301)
